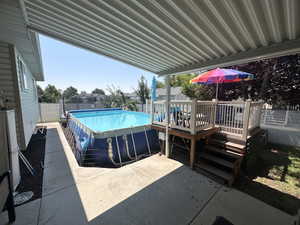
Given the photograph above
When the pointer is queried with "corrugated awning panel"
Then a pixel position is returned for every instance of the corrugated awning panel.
(172, 36)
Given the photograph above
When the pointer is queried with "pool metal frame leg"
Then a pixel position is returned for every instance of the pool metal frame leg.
(127, 147)
(148, 146)
(133, 143)
(118, 148)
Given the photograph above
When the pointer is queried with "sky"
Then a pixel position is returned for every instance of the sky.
(66, 65)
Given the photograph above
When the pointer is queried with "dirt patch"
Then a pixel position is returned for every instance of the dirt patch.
(35, 154)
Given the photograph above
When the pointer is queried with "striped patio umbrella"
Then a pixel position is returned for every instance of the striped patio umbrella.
(218, 76)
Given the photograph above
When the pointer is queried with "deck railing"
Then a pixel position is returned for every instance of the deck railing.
(230, 117)
(205, 115)
(255, 115)
(235, 118)
(158, 113)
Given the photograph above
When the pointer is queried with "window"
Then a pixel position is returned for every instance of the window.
(22, 74)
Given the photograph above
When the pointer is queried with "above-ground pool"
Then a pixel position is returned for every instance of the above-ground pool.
(107, 120)
(111, 137)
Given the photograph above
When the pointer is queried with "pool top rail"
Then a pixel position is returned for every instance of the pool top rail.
(106, 133)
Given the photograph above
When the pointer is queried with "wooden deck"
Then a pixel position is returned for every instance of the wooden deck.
(203, 134)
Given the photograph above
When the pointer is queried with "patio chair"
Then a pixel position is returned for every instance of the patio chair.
(179, 117)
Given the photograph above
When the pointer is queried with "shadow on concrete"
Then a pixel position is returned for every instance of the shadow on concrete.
(280, 200)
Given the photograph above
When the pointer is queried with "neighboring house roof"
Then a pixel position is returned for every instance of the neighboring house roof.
(14, 31)
(171, 37)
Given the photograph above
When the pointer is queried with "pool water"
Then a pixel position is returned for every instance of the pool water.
(101, 121)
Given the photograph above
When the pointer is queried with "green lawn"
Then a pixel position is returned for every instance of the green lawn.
(273, 176)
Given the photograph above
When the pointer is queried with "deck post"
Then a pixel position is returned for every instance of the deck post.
(168, 90)
(193, 116)
(214, 112)
(246, 119)
(192, 152)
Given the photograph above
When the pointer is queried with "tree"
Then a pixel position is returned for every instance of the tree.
(70, 92)
(51, 94)
(276, 81)
(116, 97)
(181, 80)
(160, 84)
(198, 91)
(40, 93)
(142, 91)
(98, 91)
(131, 105)
(91, 99)
(75, 99)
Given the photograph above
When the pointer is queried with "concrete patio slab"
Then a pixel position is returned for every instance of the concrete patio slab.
(51, 185)
(57, 171)
(155, 190)
(241, 209)
(56, 159)
(26, 214)
(62, 207)
(124, 194)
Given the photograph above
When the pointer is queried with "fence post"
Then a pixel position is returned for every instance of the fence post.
(193, 116)
(246, 119)
(286, 117)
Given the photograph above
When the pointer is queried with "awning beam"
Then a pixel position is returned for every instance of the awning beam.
(276, 50)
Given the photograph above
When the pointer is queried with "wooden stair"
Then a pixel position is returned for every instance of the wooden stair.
(218, 160)
(215, 172)
(229, 145)
(221, 159)
(223, 151)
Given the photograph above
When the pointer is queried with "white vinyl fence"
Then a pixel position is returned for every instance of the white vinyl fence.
(77, 106)
(50, 112)
(146, 108)
(283, 126)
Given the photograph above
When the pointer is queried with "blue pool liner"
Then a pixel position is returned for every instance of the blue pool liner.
(95, 150)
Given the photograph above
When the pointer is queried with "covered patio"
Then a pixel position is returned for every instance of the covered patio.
(156, 190)
(172, 37)
(167, 38)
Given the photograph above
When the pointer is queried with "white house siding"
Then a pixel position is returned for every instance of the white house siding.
(6, 75)
(28, 102)
(7, 83)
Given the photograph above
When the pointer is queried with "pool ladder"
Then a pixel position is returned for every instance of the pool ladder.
(132, 159)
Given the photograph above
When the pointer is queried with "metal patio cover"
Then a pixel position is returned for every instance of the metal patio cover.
(172, 36)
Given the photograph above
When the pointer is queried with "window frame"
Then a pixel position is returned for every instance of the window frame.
(23, 75)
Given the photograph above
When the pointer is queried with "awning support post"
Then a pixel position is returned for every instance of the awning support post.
(168, 89)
